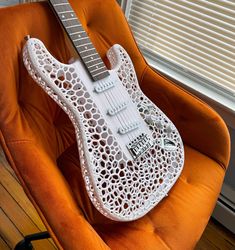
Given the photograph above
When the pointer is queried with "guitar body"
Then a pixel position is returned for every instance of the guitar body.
(128, 167)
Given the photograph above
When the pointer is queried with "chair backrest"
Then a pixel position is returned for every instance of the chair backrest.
(26, 112)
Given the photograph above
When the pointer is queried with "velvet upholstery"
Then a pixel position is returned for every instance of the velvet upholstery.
(39, 140)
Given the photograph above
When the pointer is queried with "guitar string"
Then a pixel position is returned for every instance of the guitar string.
(109, 100)
(67, 22)
(119, 117)
(117, 114)
(125, 114)
(112, 104)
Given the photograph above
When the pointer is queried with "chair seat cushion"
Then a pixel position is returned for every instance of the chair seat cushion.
(34, 132)
(177, 222)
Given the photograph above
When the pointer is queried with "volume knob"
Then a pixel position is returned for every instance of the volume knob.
(149, 119)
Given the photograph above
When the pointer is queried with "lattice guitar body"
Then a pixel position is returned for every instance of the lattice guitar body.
(131, 154)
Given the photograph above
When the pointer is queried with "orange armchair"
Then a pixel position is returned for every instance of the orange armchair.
(40, 145)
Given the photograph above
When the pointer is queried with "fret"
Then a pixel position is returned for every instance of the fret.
(67, 12)
(97, 71)
(67, 15)
(64, 12)
(95, 65)
(68, 19)
(73, 26)
(81, 34)
(83, 44)
(86, 47)
(100, 68)
(92, 58)
(77, 32)
(90, 55)
(98, 74)
(80, 39)
(59, 4)
(87, 50)
(90, 62)
(86, 54)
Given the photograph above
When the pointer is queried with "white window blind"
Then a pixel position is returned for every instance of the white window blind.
(8, 2)
(12, 2)
(198, 36)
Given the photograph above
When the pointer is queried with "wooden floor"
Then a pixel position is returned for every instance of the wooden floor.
(17, 215)
(216, 237)
(18, 218)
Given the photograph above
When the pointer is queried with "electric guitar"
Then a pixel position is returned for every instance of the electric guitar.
(131, 154)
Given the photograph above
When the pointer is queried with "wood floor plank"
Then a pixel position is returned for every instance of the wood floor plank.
(8, 231)
(205, 244)
(218, 237)
(43, 244)
(9, 180)
(3, 244)
(21, 220)
(15, 189)
(5, 163)
(221, 232)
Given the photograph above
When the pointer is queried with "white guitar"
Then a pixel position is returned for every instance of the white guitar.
(131, 154)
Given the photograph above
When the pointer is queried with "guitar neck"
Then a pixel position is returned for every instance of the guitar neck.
(81, 42)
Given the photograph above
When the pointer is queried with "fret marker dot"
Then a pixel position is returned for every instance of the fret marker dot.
(85, 47)
(71, 14)
(92, 57)
(79, 35)
(63, 16)
(97, 67)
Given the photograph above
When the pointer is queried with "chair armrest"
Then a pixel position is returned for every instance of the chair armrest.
(199, 125)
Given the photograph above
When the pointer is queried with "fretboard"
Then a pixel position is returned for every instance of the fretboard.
(81, 42)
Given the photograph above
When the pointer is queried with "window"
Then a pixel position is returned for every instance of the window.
(8, 2)
(12, 2)
(197, 37)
